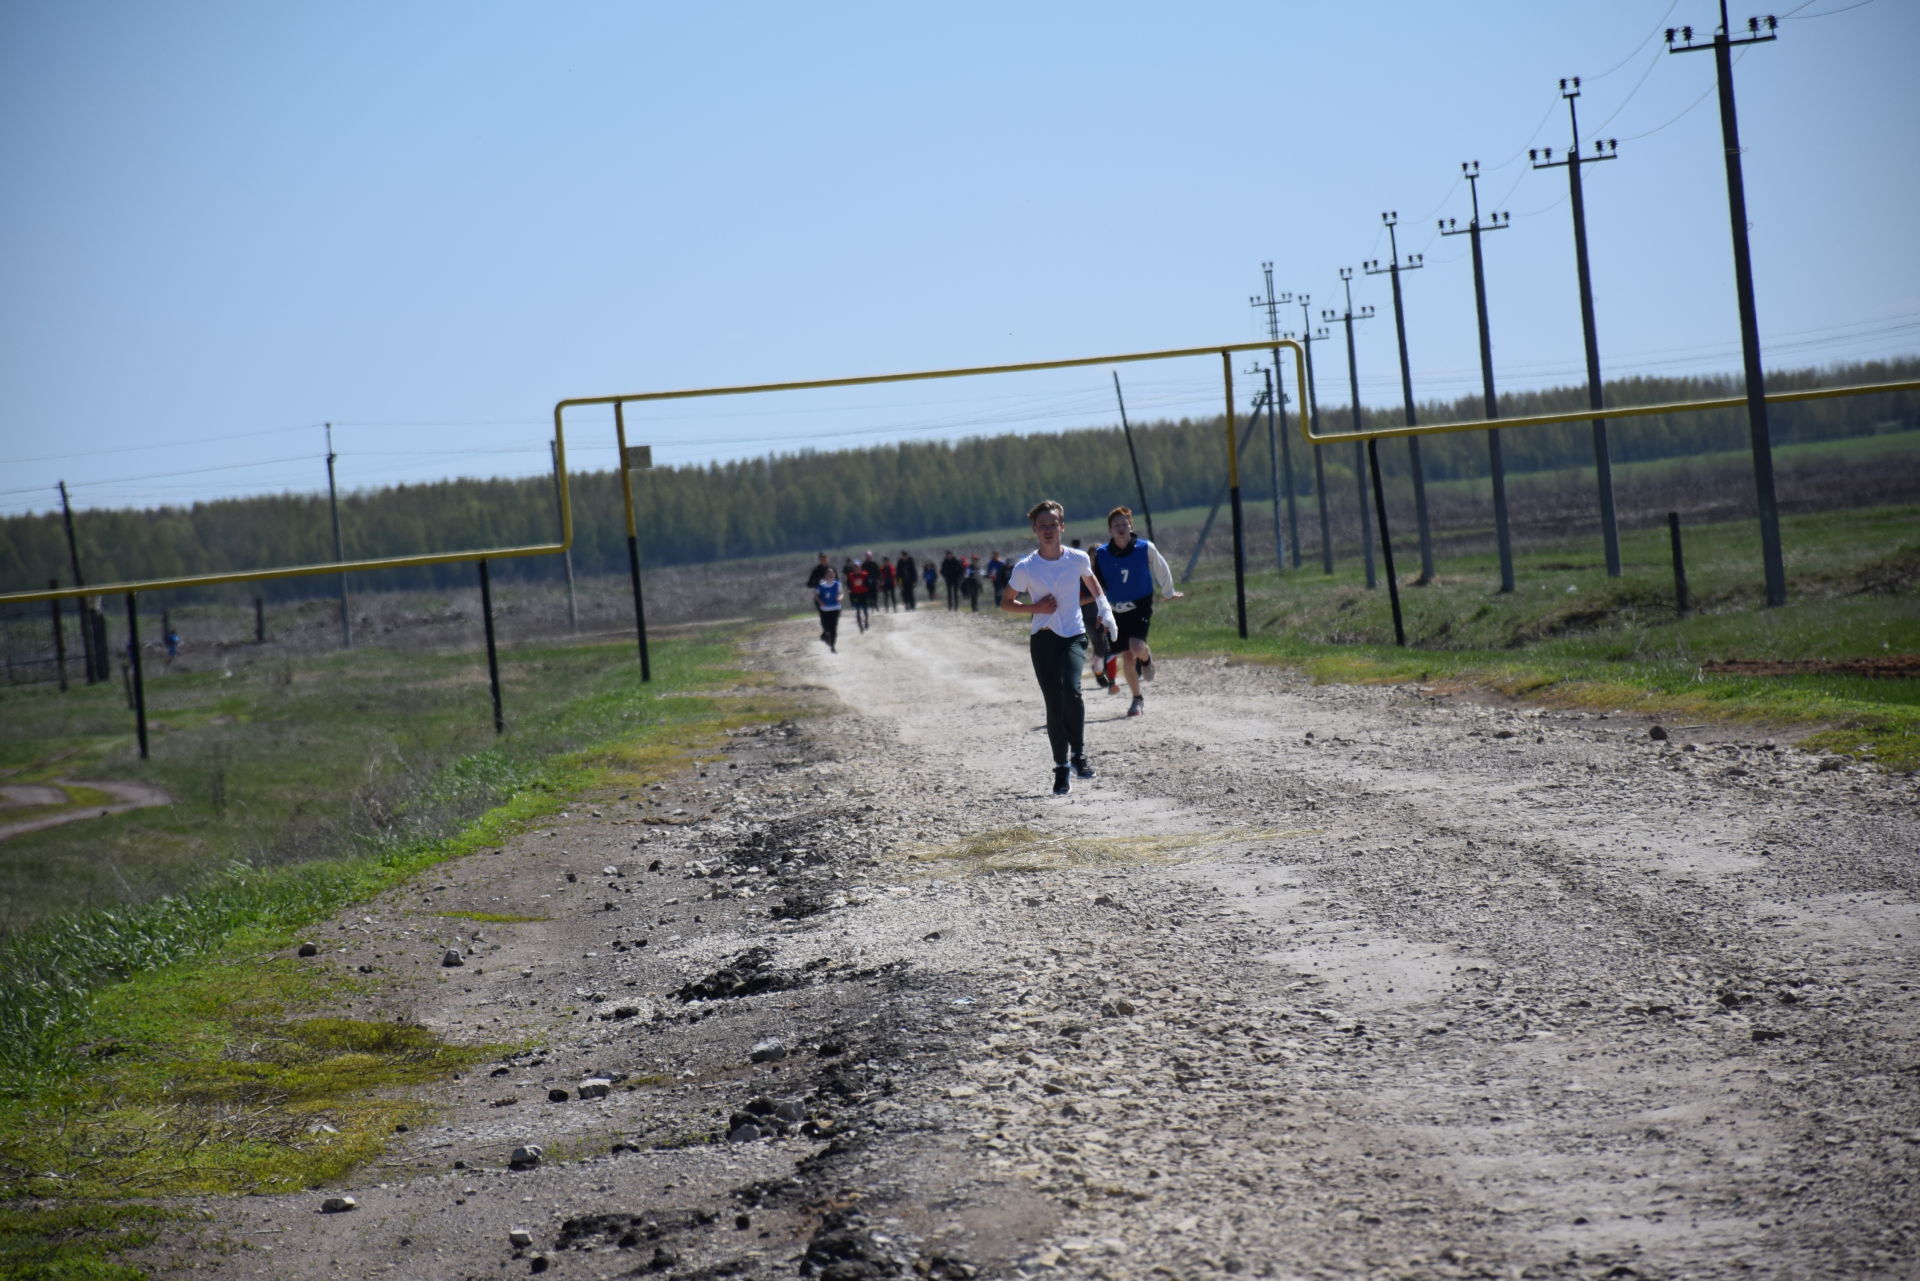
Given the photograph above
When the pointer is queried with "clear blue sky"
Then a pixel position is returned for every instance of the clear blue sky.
(228, 223)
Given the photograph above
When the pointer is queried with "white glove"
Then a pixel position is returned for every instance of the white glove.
(1107, 620)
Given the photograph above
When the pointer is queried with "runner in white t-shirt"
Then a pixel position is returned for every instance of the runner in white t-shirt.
(1050, 578)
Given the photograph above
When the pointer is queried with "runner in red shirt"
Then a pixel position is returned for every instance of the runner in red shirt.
(860, 590)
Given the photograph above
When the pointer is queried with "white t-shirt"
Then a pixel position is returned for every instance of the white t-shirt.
(1037, 576)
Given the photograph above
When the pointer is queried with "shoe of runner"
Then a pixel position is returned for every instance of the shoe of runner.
(1080, 767)
(1138, 707)
(1060, 784)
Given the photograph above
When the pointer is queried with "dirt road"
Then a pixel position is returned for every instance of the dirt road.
(1308, 982)
(124, 794)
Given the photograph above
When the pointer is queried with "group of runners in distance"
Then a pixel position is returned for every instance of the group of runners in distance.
(1081, 604)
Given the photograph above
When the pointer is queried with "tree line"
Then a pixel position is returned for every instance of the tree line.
(884, 495)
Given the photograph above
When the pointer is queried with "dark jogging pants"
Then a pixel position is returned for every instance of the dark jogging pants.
(1057, 661)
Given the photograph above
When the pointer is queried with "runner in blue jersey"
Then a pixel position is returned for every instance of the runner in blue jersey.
(1051, 578)
(826, 598)
(1131, 569)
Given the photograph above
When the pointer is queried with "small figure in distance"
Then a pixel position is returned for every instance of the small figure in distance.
(970, 584)
(932, 575)
(1130, 569)
(887, 585)
(951, 571)
(1051, 577)
(996, 575)
(860, 593)
(903, 571)
(172, 639)
(826, 598)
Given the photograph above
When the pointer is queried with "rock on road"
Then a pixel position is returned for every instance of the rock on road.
(1310, 981)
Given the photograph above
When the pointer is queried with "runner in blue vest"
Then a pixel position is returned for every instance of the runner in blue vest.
(1130, 569)
(1051, 578)
(826, 598)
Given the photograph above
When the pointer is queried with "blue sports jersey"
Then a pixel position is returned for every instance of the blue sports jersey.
(1127, 576)
(829, 594)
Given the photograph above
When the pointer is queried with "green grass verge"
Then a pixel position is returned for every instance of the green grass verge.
(76, 1242)
(1570, 634)
(176, 1046)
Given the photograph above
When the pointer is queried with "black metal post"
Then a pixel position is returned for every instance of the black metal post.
(493, 657)
(1273, 469)
(139, 684)
(633, 536)
(1502, 535)
(1139, 485)
(259, 620)
(1386, 541)
(59, 636)
(1393, 268)
(1307, 338)
(1286, 460)
(566, 557)
(1757, 429)
(1233, 489)
(1359, 454)
(1206, 526)
(102, 664)
(95, 667)
(1602, 455)
(1680, 600)
(339, 548)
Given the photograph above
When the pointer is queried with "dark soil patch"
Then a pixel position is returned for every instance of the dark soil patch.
(1886, 666)
(748, 974)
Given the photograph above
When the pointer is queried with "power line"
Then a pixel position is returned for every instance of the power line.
(1651, 64)
(1652, 34)
(1861, 4)
(1686, 110)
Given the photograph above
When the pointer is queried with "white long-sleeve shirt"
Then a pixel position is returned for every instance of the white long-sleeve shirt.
(1037, 576)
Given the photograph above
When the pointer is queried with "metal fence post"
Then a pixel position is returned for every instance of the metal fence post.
(59, 636)
(1680, 599)
(139, 685)
(493, 660)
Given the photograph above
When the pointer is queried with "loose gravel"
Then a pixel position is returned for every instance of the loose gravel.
(1309, 981)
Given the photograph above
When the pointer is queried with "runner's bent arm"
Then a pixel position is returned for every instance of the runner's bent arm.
(1090, 583)
(1010, 604)
(1162, 573)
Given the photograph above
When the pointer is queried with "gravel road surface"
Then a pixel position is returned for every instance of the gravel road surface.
(1310, 981)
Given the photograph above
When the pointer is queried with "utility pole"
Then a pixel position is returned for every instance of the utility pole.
(1603, 149)
(1491, 404)
(339, 547)
(1757, 430)
(1278, 405)
(1274, 437)
(573, 603)
(1359, 451)
(1139, 486)
(1308, 337)
(1393, 268)
(93, 663)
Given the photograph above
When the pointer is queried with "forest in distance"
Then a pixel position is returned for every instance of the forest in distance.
(888, 494)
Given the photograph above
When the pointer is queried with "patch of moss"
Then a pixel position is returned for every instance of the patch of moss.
(220, 1076)
(76, 1241)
